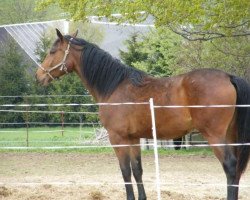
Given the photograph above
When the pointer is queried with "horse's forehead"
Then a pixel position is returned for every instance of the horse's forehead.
(56, 42)
(55, 46)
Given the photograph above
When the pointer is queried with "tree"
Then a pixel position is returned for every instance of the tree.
(228, 54)
(42, 47)
(163, 53)
(194, 19)
(90, 32)
(71, 85)
(133, 53)
(13, 78)
(156, 53)
(16, 11)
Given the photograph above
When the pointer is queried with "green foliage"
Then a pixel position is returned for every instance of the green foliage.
(228, 54)
(71, 85)
(90, 32)
(133, 53)
(13, 78)
(155, 53)
(162, 53)
(42, 47)
(192, 19)
(12, 65)
(20, 11)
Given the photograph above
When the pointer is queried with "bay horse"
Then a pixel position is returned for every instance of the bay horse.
(110, 81)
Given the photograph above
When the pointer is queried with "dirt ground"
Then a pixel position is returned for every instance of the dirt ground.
(78, 176)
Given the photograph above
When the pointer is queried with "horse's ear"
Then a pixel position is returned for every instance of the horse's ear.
(75, 34)
(59, 34)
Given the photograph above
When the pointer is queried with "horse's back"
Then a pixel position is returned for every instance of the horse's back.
(209, 87)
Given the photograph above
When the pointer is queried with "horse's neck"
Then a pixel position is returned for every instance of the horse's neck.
(77, 70)
(91, 90)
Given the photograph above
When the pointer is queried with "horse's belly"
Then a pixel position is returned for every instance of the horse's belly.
(165, 129)
(137, 122)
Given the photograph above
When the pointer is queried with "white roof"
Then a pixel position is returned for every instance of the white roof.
(27, 35)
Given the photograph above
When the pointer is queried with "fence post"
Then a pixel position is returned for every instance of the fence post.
(80, 127)
(27, 123)
(27, 129)
(62, 119)
(157, 171)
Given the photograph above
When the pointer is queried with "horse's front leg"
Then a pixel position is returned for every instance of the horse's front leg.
(135, 156)
(123, 155)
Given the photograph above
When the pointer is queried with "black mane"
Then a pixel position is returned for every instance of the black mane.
(102, 71)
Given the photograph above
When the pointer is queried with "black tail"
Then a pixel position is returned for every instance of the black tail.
(243, 121)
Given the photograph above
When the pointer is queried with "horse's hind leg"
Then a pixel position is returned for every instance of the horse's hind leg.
(230, 168)
(135, 155)
(228, 159)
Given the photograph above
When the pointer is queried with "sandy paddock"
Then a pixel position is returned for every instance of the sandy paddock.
(75, 176)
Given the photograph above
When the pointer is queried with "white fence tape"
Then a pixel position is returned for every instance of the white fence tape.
(124, 103)
(154, 144)
(203, 106)
(73, 104)
(50, 123)
(49, 112)
(45, 96)
(121, 145)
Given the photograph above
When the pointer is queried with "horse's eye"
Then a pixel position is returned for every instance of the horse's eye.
(52, 51)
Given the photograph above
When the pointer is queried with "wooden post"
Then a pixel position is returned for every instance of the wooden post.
(62, 119)
(80, 127)
(27, 130)
(27, 123)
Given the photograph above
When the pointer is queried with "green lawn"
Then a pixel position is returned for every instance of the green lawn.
(71, 136)
(46, 136)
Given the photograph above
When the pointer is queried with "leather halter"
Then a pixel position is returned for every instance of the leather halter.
(62, 64)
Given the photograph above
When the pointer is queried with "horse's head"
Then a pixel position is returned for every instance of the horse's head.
(58, 61)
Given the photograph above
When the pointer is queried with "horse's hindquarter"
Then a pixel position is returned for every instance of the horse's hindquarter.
(210, 87)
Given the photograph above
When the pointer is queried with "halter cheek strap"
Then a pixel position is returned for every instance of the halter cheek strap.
(62, 64)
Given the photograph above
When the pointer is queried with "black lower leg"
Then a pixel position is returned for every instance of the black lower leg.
(126, 173)
(137, 172)
(230, 168)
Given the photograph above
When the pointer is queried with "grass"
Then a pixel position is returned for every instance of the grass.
(109, 150)
(71, 136)
(45, 136)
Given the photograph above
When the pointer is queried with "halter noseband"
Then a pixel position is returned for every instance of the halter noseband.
(62, 64)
